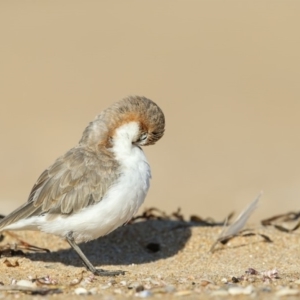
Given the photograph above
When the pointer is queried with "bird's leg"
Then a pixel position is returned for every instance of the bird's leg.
(88, 264)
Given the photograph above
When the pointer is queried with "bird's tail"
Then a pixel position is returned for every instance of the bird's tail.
(23, 212)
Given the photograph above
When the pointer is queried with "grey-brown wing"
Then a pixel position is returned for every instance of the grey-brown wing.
(76, 180)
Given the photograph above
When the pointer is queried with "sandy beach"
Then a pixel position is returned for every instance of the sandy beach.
(167, 259)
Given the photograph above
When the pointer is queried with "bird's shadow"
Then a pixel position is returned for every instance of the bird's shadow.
(136, 243)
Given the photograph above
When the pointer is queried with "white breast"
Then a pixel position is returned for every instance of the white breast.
(121, 201)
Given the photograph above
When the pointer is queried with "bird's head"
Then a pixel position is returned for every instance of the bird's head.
(134, 120)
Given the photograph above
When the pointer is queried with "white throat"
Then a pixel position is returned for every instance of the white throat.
(122, 140)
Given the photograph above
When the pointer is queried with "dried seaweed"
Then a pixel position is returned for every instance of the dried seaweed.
(264, 236)
(287, 217)
(283, 218)
(208, 221)
(16, 249)
(242, 234)
(153, 213)
(281, 228)
(157, 214)
(25, 245)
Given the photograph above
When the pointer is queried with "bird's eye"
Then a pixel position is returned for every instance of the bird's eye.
(143, 137)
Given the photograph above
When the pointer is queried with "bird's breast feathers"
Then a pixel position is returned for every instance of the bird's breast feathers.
(119, 204)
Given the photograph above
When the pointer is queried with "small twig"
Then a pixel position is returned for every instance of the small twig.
(26, 245)
(288, 217)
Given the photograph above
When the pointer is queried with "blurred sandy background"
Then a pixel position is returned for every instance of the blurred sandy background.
(226, 74)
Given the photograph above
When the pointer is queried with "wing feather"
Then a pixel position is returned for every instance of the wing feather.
(76, 180)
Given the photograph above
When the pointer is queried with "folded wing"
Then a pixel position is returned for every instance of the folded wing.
(76, 180)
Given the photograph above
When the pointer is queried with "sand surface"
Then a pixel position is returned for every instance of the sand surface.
(182, 266)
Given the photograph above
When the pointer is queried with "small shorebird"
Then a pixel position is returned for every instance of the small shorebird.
(99, 184)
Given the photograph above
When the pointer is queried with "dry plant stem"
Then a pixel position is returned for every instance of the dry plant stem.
(287, 217)
(26, 245)
(88, 264)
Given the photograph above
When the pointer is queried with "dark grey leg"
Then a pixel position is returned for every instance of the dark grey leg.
(87, 263)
